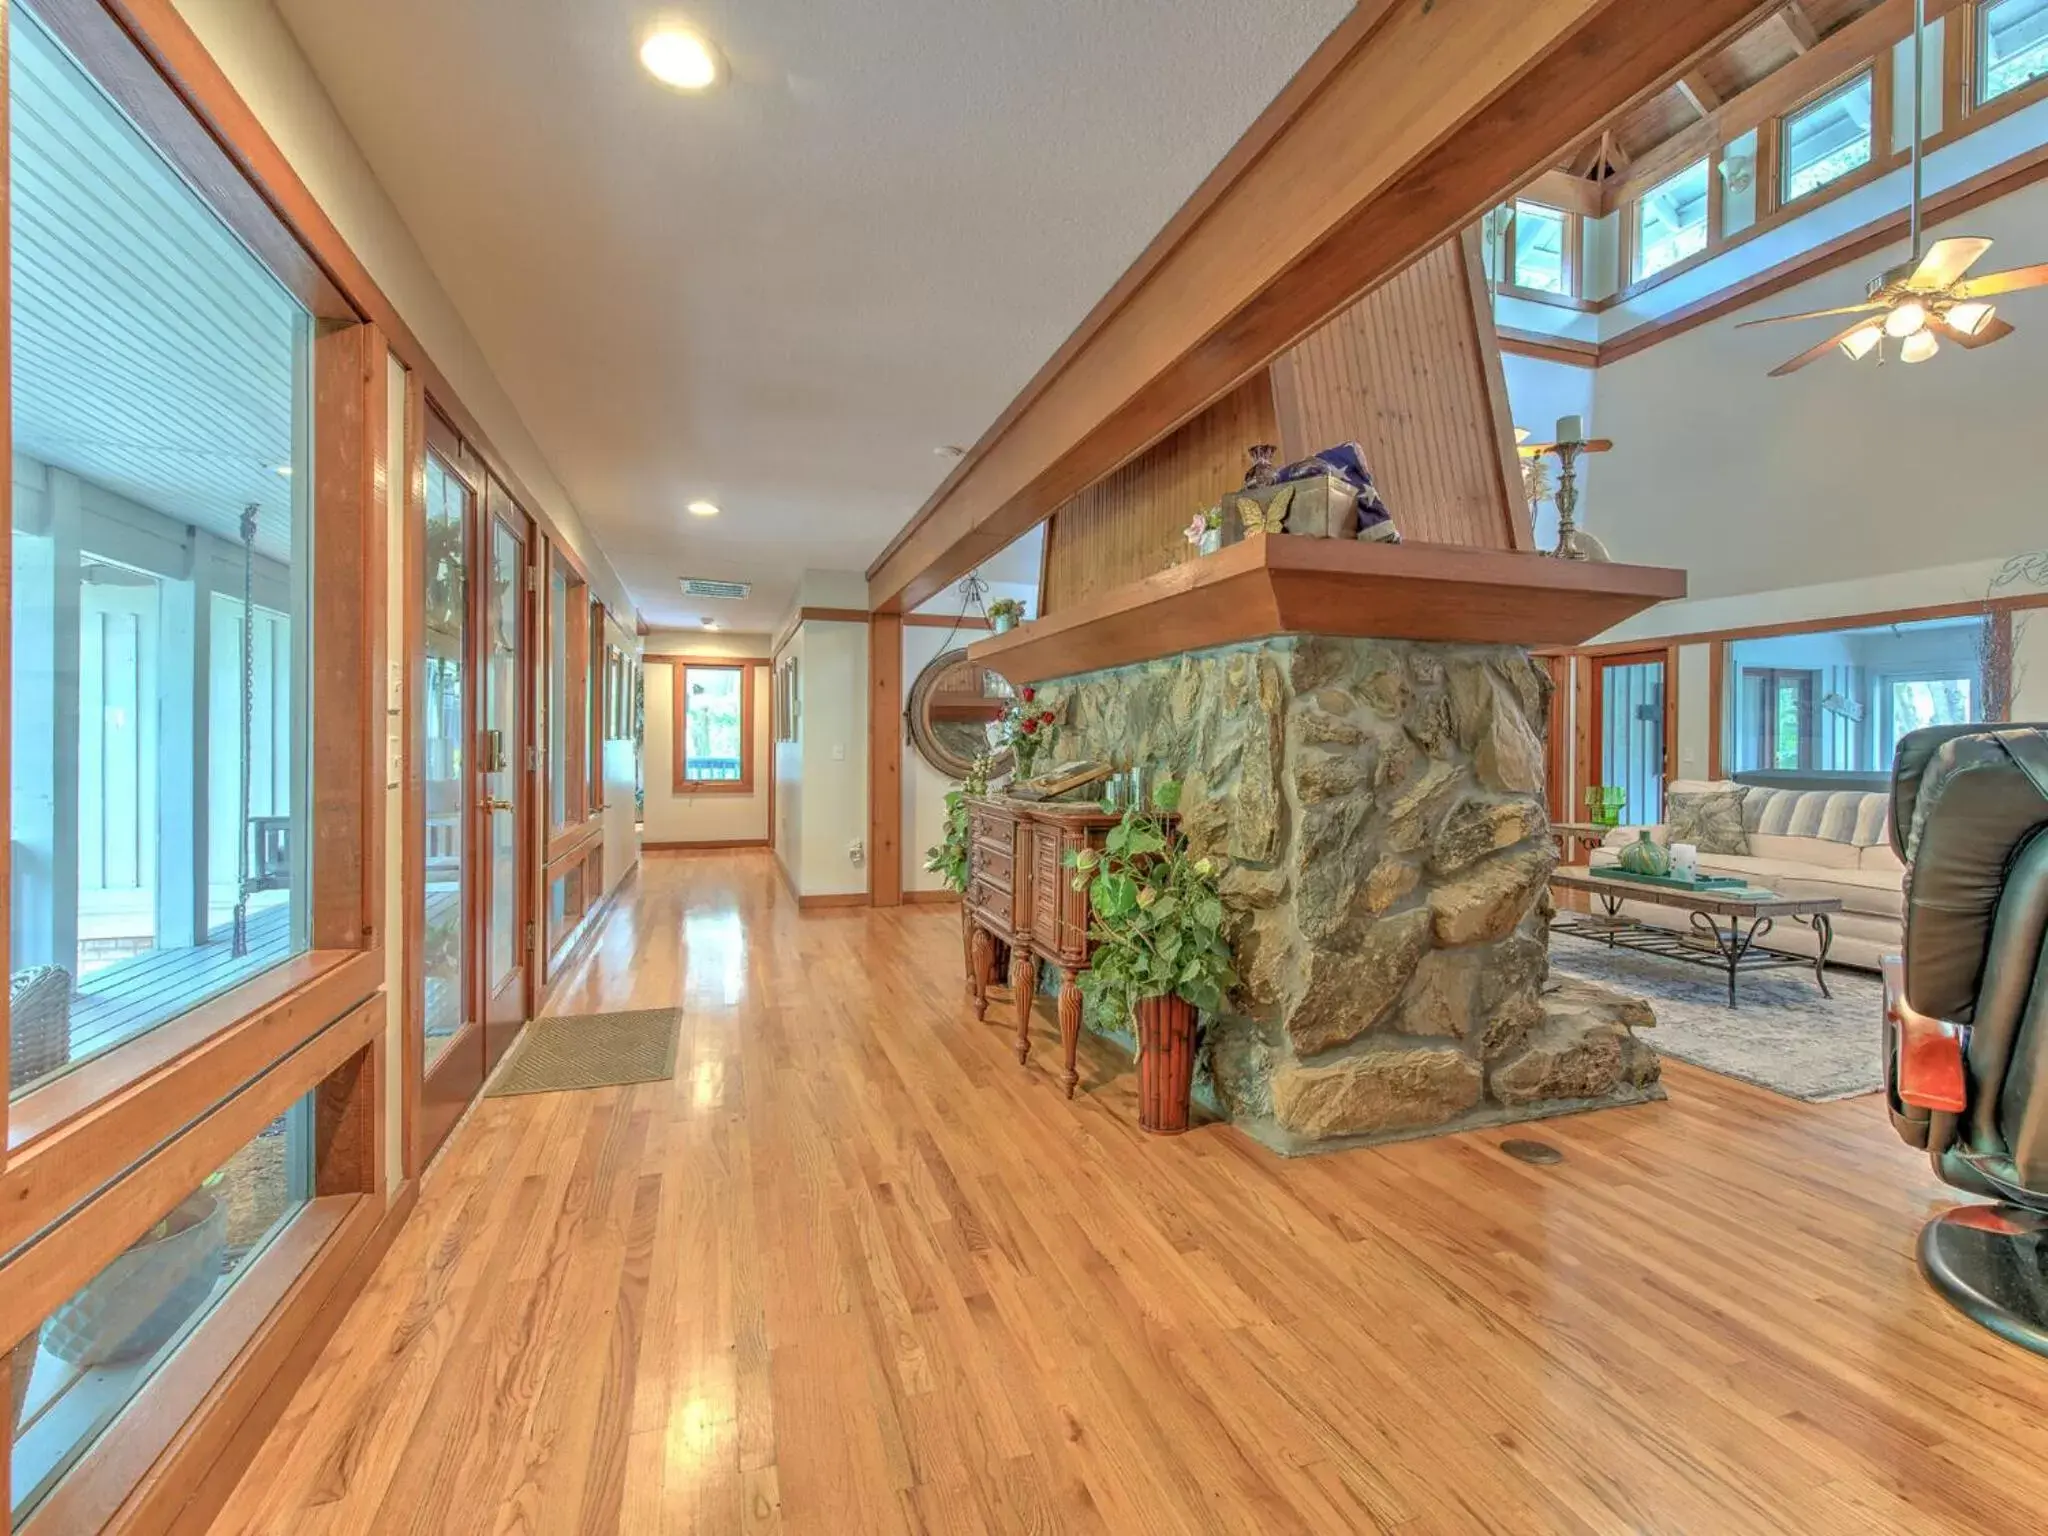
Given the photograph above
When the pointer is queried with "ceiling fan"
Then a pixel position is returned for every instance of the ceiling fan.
(1925, 298)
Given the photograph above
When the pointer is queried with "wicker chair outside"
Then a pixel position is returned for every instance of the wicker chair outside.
(39, 1023)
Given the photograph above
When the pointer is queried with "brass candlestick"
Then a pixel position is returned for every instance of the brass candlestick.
(1573, 542)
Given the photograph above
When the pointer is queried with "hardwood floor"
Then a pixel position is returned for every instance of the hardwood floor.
(855, 1270)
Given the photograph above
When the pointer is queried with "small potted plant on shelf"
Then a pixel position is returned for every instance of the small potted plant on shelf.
(1160, 955)
(1005, 613)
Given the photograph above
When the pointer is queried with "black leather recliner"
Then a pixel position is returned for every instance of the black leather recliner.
(1966, 1010)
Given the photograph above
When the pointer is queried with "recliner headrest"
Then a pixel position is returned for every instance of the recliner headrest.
(1964, 801)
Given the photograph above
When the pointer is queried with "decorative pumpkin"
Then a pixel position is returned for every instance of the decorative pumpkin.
(1645, 857)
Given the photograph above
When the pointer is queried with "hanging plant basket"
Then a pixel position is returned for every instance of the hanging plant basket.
(1166, 1063)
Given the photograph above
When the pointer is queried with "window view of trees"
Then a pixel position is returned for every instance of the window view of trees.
(713, 738)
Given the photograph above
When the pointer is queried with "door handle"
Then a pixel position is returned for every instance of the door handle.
(490, 804)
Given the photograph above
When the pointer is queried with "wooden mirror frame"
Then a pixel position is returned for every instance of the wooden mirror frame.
(917, 716)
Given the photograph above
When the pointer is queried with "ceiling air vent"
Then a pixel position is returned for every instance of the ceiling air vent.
(703, 586)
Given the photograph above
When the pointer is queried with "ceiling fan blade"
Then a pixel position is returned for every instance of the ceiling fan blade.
(1817, 351)
(1811, 314)
(1991, 330)
(1947, 260)
(2011, 281)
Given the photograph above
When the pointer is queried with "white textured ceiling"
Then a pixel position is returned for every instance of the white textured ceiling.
(785, 294)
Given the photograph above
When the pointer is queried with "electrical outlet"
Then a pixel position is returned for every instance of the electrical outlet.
(838, 751)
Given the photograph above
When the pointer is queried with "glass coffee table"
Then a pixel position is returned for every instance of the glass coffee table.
(1728, 924)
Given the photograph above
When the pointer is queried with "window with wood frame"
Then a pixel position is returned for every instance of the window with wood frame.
(194, 1032)
(568, 695)
(1827, 139)
(2012, 46)
(1542, 240)
(713, 727)
(1669, 222)
(159, 664)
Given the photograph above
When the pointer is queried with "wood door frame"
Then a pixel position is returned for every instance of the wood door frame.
(446, 1087)
(1592, 708)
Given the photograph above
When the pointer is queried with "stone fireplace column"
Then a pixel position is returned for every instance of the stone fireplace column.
(1380, 804)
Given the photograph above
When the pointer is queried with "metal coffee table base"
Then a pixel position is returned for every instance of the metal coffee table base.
(1733, 949)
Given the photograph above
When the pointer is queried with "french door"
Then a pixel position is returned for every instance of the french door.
(1630, 726)
(477, 756)
(506, 770)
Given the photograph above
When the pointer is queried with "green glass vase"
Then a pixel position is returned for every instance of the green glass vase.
(1645, 857)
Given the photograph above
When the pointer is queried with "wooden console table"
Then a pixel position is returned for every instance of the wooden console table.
(1020, 899)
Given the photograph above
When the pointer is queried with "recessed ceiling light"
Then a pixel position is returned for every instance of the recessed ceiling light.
(681, 59)
(709, 623)
(703, 509)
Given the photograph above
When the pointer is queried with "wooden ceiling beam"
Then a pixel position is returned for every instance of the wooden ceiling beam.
(1798, 26)
(1403, 127)
(1699, 95)
(1839, 52)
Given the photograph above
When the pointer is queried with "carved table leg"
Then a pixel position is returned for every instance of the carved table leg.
(967, 944)
(1070, 1027)
(1024, 985)
(983, 949)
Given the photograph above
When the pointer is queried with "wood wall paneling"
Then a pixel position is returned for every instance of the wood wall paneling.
(1412, 372)
(349, 511)
(1130, 525)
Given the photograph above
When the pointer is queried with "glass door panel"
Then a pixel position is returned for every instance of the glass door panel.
(445, 707)
(502, 761)
(1629, 715)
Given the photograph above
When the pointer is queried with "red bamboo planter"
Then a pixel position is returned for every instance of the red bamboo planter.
(1166, 1063)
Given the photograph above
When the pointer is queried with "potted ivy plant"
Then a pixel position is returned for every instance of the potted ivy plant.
(1156, 917)
(947, 858)
(1004, 613)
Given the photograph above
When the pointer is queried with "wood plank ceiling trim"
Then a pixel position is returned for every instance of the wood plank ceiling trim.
(1402, 128)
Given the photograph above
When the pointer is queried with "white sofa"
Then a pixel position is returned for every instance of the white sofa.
(1802, 842)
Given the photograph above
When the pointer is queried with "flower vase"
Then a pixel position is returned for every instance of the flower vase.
(1212, 540)
(1003, 622)
(1644, 856)
(1166, 1063)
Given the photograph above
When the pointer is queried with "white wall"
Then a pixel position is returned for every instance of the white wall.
(257, 53)
(833, 748)
(700, 818)
(621, 758)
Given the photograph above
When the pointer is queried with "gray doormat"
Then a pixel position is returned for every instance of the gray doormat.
(590, 1050)
(1783, 1036)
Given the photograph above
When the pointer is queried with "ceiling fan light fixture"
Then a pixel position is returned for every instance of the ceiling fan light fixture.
(1857, 344)
(1907, 318)
(1970, 316)
(1919, 347)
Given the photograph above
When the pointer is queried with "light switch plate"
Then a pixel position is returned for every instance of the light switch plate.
(838, 751)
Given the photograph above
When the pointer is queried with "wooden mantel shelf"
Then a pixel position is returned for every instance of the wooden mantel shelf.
(1281, 584)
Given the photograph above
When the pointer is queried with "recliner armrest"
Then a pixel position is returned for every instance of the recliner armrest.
(1930, 1065)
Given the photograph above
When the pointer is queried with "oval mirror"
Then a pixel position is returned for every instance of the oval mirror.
(951, 705)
